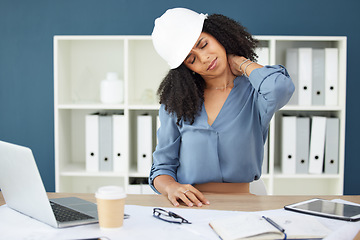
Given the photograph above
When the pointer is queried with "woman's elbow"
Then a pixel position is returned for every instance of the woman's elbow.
(290, 87)
(284, 91)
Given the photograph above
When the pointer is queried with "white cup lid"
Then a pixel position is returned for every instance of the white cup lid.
(110, 192)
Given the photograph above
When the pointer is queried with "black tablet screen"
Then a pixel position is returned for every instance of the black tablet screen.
(332, 208)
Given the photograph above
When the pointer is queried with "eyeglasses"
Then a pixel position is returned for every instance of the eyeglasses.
(168, 216)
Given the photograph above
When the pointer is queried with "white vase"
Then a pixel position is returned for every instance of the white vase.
(112, 89)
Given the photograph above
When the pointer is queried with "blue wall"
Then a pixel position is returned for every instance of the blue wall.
(26, 58)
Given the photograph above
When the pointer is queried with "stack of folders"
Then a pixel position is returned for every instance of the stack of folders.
(310, 145)
(105, 145)
(315, 75)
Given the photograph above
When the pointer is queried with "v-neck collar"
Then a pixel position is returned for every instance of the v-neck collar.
(213, 125)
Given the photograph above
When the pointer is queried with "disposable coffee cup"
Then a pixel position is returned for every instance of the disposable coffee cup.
(110, 205)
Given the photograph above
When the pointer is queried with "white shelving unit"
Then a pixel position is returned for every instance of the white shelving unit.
(81, 62)
(298, 184)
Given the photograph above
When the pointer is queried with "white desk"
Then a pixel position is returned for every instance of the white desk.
(142, 225)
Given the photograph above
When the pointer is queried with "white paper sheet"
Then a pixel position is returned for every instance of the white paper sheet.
(142, 225)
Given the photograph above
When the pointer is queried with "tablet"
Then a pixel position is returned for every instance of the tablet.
(327, 208)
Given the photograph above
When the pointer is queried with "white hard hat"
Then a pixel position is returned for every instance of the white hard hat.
(175, 33)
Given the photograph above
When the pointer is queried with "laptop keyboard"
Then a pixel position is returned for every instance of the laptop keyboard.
(64, 214)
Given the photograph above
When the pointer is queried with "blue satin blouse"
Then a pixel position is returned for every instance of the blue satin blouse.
(232, 148)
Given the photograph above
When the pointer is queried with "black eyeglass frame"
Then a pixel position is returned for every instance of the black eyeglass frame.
(157, 212)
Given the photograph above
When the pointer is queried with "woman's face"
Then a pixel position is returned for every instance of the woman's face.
(208, 57)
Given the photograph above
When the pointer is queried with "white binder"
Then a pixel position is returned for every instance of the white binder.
(158, 124)
(318, 77)
(332, 146)
(263, 55)
(305, 76)
(144, 143)
(265, 165)
(302, 144)
(119, 143)
(105, 143)
(288, 152)
(317, 145)
(331, 76)
(92, 142)
(292, 65)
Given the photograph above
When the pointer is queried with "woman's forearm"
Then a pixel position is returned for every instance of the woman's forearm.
(162, 182)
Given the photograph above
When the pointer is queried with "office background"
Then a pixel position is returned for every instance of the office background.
(26, 55)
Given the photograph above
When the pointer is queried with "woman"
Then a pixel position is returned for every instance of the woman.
(216, 106)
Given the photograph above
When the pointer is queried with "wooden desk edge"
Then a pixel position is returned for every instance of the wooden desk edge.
(229, 202)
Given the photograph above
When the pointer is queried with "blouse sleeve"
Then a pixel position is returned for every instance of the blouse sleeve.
(166, 154)
(274, 89)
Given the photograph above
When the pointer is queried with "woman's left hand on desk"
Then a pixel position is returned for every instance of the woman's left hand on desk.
(167, 185)
(187, 193)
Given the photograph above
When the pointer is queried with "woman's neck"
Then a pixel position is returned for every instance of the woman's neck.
(221, 82)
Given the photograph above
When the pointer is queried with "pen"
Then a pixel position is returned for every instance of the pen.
(274, 224)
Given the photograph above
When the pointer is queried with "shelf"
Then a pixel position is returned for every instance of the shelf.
(91, 106)
(306, 176)
(82, 62)
(298, 38)
(136, 174)
(108, 106)
(307, 186)
(310, 108)
(90, 174)
(144, 107)
(78, 170)
(279, 175)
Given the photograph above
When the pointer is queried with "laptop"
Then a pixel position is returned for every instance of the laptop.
(23, 191)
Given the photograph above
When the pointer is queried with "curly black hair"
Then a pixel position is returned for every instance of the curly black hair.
(182, 91)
